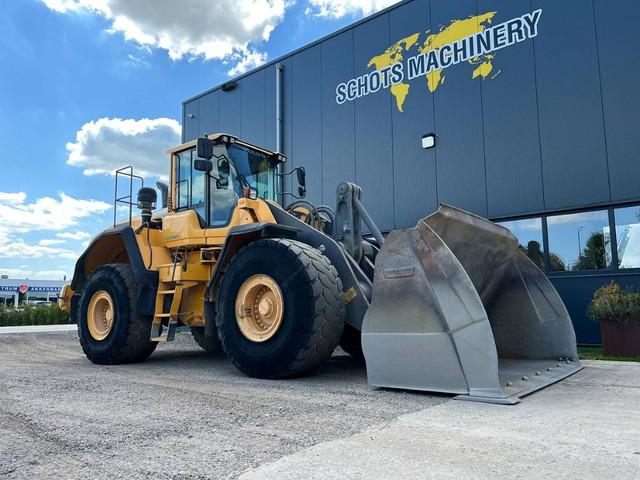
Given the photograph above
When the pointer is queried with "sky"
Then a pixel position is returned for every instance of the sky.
(88, 86)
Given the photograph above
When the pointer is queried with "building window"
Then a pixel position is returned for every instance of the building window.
(529, 235)
(628, 236)
(579, 241)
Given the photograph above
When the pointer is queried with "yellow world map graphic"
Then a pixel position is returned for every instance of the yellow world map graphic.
(456, 30)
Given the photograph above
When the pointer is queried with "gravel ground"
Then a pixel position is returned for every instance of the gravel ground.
(181, 414)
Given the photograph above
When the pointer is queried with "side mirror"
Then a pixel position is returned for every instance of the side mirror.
(302, 176)
(164, 192)
(205, 148)
(202, 165)
(302, 191)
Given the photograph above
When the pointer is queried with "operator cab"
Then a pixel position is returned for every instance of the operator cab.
(210, 174)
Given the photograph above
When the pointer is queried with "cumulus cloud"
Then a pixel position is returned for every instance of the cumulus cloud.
(18, 217)
(218, 30)
(25, 272)
(341, 8)
(250, 59)
(47, 242)
(104, 145)
(46, 213)
(77, 235)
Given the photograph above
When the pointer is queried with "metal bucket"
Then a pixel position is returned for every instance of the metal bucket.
(457, 307)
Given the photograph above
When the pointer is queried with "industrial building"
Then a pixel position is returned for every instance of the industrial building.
(16, 290)
(523, 112)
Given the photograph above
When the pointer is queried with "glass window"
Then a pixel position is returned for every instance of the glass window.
(579, 241)
(258, 169)
(529, 235)
(222, 201)
(183, 181)
(628, 236)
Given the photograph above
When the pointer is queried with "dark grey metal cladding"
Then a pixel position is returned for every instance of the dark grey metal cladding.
(190, 119)
(231, 110)
(209, 118)
(306, 116)
(531, 139)
(253, 107)
(458, 120)
(373, 141)
(510, 118)
(414, 168)
(338, 127)
(571, 126)
(617, 34)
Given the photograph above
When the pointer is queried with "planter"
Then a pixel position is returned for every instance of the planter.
(620, 339)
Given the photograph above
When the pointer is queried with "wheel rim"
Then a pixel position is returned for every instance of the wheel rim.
(259, 308)
(100, 315)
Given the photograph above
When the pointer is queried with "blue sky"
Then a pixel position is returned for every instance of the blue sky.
(91, 85)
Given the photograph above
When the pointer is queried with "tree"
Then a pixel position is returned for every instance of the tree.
(594, 256)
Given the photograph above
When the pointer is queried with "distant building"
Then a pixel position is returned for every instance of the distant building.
(31, 290)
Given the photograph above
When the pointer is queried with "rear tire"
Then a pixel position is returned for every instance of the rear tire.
(127, 339)
(313, 311)
(210, 344)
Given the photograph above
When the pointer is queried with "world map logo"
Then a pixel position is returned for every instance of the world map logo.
(473, 41)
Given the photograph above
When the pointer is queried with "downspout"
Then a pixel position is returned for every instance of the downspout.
(279, 136)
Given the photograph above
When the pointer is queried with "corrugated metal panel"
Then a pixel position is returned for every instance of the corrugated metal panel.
(270, 107)
(571, 126)
(338, 128)
(458, 121)
(619, 68)
(414, 168)
(253, 109)
(190, 119)
(209, 118)
(231, 110)
(306, 119)
(510, 115)
(374, 162)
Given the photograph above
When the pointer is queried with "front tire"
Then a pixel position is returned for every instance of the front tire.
(109, 328)
(293, 295)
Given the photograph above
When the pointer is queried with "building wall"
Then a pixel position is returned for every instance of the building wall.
(549, 129)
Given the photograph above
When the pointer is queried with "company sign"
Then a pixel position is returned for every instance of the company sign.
(471, 40)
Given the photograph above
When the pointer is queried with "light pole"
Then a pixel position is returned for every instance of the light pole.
(579, 242)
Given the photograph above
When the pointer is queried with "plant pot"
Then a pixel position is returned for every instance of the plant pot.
(620, 339)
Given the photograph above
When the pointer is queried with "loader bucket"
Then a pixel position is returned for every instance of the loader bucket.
(457, 307)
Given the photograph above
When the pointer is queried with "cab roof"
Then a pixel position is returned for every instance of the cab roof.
(230, 139)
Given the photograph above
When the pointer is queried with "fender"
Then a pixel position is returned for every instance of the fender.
(118, 245)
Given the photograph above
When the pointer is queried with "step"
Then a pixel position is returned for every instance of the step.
(162, 315)
(166, 292)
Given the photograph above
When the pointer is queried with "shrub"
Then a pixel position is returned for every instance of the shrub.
(28, 315)
(614, 304)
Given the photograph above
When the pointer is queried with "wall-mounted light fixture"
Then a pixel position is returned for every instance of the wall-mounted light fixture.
(429, 140)
(228, 86)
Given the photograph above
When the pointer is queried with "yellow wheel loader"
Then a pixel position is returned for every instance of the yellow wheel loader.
(452, 305)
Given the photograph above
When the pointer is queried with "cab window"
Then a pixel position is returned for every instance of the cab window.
(190, 184)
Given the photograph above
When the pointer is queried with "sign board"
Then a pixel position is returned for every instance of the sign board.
(473, 40)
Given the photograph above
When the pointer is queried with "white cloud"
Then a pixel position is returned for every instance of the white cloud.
(77, 235)
(18, 217)
(47, 242)
(25, 272)
(218, 30)
(250, 59)
(46, 213)
(341, 8)
(12, 198)
(104, 145)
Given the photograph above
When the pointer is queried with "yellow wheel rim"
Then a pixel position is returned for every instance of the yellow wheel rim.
(259, 308)
(100, 315)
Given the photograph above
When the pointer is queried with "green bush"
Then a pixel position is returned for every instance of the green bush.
(27, 315)
(612, 303)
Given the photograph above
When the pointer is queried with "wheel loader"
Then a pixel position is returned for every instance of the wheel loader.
(452, 305)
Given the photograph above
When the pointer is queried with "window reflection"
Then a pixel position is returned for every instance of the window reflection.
(628, 236)
(529, 235)
(579, 241)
